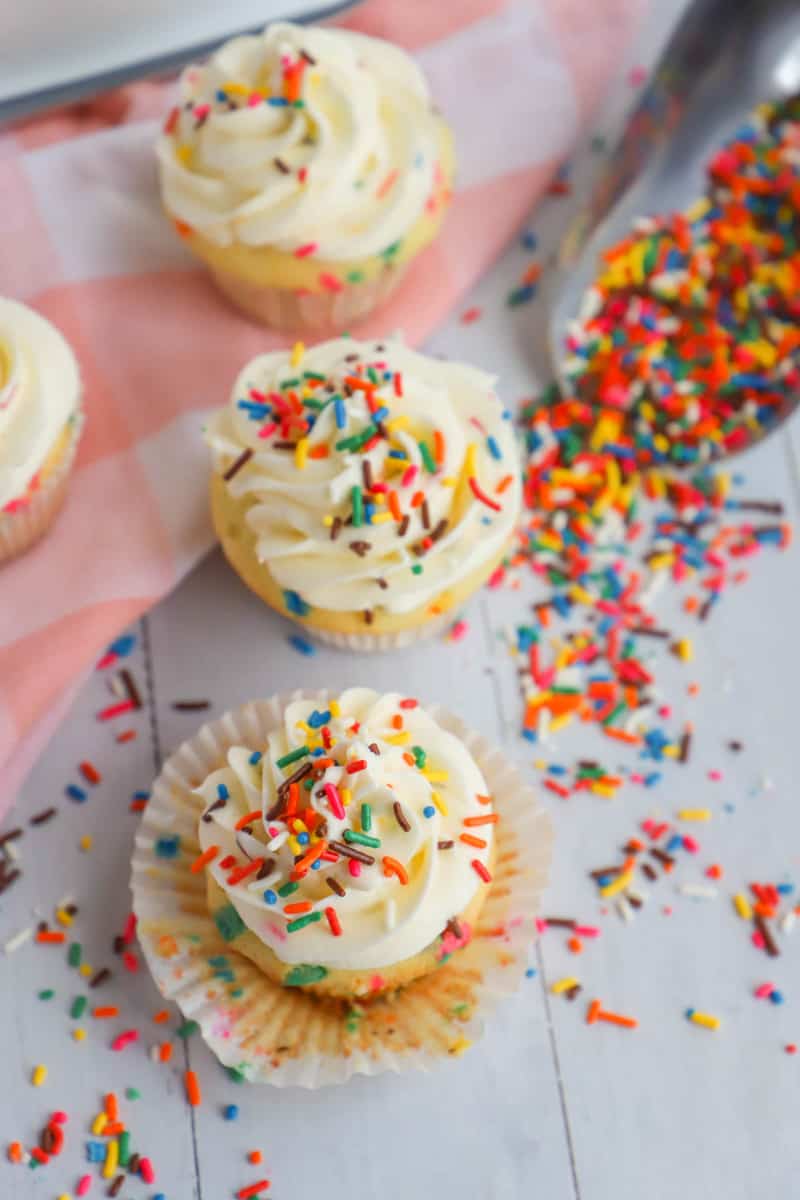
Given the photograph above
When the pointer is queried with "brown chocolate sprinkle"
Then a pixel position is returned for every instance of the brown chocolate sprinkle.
(369, 616)
(439, 530)
(220, 803)
(453, 926)
(266, 867)
(400, 817)
(601, 871)
(237, 464)
(47, 1139)
(283, 445)
(770, 945)
(685, 746)
(366, 472)
(10, 835)
(735, 747)
(662, 856)
(351, 852)
(295, 777)
(425, 513)
(281, 165)
(7, 880)
(133, 1164)
(560, 922)
(102, 976)
(116, 1186)
(445, 845)
(334, 885)
(118, 945)
(649, 872)
(41, 818)
(131, 689)
(402, 528)
(312, 62)
(336, 528)
(374, 747)
(574, 991)
(360, 548)
(649, 631)
(191, 705)
(382, 584)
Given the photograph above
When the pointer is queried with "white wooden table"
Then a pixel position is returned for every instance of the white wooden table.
(545, 1105)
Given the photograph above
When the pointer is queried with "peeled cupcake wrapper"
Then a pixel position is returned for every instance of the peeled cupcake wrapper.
(379, 642)
(22, 527)
(315, 314)
(266, 1032)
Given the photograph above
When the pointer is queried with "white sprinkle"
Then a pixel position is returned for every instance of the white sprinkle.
(278, 840)
(19, 939)
(698, 891)
(788, 922)
(624, 909)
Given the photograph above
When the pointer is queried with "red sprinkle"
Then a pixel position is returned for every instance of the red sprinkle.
(333, 921)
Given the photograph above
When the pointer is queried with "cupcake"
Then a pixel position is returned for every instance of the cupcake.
(306, 167)
(363, 489)
(329, 883)
(40, 425)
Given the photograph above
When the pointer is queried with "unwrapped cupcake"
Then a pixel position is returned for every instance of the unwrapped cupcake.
(363, 489)
(40, 424)
(306, 167)
(330, 883)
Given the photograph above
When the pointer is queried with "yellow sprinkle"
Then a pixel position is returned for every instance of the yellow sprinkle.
(435, 776)
(236, 89)
(296, 357)
(63, 918)
(660, 561)
(295, 846)
(742, 906)
(86, 842)
(563, 985)
(112, 1159)
(540, 764)
(39, 1075)
(99, 1123)
(333, 705)
(327, 521)
(304, 725)
(381, 518)
(704, 1019)
(86, 970)
(617, 885)
(79, 1035)
(683, 649)
(346, 795)
(694, 814)
(399, 422)
(448, 481)
(459, 1046)
(671, 751)
(440, 804)
(581, 596)
(399, 739)
(560, 722)
(601, 789)
(64, 1196)
(301, 453)
(184, 154)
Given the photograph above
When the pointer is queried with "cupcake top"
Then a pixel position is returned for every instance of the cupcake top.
(313, 141)
(39, 391)
(354, 837)
(376, 478)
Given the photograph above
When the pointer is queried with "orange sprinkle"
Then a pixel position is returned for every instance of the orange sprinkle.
(392, 867)
(417, 499)
(319, 451)
(90, 773)
(161, 1016)
(182, 228)
(293, 801)
(489, 819)
(593, 1012)
(239, 874)
(304, 864)
(438, 447)
(105, 1012)
(532, 274)
(469, 840)
(203, 860)
(359, 385)
(387, 185)
(504, 484)
(397, 721)
(254, 1157)
(616, 1019)
(394, 506)
(409, 758)
(575, 945)
(483, 799)
(300, 906)
(165, 1052)
(193, 1094)
(127, 735)
(619, 735)
(14, 1152)
(52, 937)
(111, 1107)
(113, 1128)
(248, 818)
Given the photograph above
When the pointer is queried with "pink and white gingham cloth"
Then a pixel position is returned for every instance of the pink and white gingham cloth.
(83, 240)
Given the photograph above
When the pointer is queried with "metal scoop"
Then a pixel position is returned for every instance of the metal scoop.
(725, 57)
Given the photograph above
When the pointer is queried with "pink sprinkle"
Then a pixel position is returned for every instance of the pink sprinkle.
(715, 775)
(408, 476)
(267, 430)
(146, 1170)
(304, 251)
(330, 282)
(201, 110)
(765, 989)
(665, 711)
(497, 576)
(334, 800)
(757, 938)
(130, 961)
(115, 710)
(541, 925)
(376, 983)
(458, 631)
(637, 76)
(106, 661)
(59, 1118)
(470, 315)
(124, 1039)
(589, 931)
(83, 1185)
(254, 99)
(690, 844)
(354, 867)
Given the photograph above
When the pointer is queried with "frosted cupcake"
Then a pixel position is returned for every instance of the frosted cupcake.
(363, 489)
(306, 167)
(40, 424)
(331, 883)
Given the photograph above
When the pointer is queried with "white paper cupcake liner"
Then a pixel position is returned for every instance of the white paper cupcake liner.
(317, 314)
(24, 526)
(269, 1033)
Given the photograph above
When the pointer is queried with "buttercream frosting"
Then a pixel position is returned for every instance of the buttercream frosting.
(376, 778)
(39, 392)
(317, 141)
(374, 477)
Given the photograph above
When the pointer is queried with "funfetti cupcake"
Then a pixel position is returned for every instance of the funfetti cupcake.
(363, 489)
(306, 167)
(40, 425)
(330, 883)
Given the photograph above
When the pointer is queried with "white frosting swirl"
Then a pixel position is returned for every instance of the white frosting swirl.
(383, 919)
(423, 530)
(350, 170)
(39, 392)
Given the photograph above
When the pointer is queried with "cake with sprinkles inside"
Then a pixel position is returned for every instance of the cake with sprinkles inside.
(363, 489)
(306, 167)
(40, 425)
(354, 852)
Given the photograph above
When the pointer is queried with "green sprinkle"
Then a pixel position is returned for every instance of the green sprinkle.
(304, 973)
(360, 839)
(420, 757)
(301, 922)
(187, 1029)
(314, 375)
(366, 818)
(291, 383)
(288, 888)
(416, 569)
(427, 458)
(74, 954)
(229, 923)
(124, 1142)
(78, 1007)
(235, 993)
(132, 1094)
(47, 994)
(292, 756)
(308, 784)
(355, 277)
(390, 251)
(237, 1074)
(358, 507)
(372, 375)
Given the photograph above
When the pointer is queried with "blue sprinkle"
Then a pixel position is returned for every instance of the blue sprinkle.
(369, 512)
(785, 889)
(221, 96)
(219, 960)
(320, 750)
(255, 757)
(776, 997)
(380, 414)
(302, 644)
(529, 735)
(76, 793)
(553, 769)
(270, 897)
(317, 719)
(141, 795)
(339, 412)
(278, 101)
(531, 971)
(296, 604)
(494, 449)
(222, 792)
(674, 843)
(397, 454)
(429, 811)
(303, 839)
(95, 1152)
(231, 1112)
(168, 847)
(122, 646)
(315, 866)
(529, 240)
